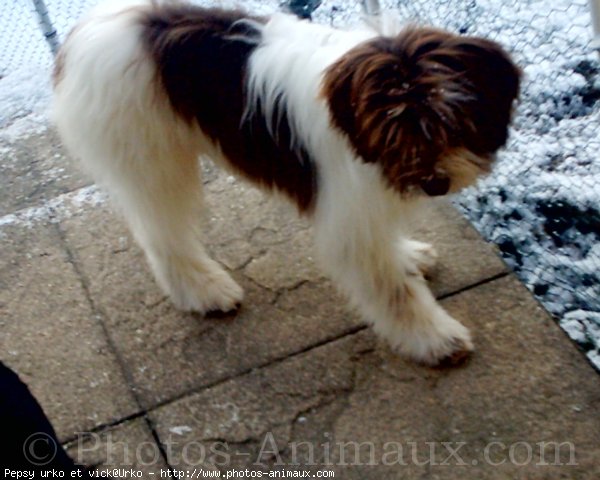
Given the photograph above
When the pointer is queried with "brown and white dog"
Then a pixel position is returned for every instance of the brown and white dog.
(356, 128)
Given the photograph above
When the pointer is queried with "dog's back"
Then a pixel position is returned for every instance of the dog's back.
(143, 77)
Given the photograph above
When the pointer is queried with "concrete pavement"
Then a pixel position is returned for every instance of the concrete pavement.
(293, 380)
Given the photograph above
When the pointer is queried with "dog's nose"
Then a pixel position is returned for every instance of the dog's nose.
(436, 186)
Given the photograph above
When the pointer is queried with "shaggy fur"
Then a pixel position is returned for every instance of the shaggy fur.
(356, 128)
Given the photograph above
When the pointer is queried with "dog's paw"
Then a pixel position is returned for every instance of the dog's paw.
(459, 350)
(446, 342)
(460, 353)
(422, 255)
(205, 291)
(449, 345)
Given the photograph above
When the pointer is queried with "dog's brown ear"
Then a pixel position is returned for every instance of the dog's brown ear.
(404, 101)
(494, 80)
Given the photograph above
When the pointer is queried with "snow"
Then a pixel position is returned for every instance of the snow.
(540, 206)
(24, 99)
(181, 430)
(23, 92)
(57, 209)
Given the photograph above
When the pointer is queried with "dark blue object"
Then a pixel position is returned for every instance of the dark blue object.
(302, 8)
(28, 441)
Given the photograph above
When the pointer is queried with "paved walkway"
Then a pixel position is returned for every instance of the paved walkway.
(294, 377)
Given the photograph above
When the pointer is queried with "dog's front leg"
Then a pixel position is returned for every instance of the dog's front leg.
(382, 276)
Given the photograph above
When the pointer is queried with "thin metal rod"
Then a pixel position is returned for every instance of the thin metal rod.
(372, 7)
(595, 9)
(46, 25)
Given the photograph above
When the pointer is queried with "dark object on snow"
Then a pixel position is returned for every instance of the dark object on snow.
(28, 441)
(541, 289)
(302, 8)
(509, 249)
(560, 216)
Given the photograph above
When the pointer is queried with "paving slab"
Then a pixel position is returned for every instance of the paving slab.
(522, 408)
(237, 414)
(35, 169)
(293, 380)
(529, 389)
(464, 257)
(51, 337)
(289, 305)
(128, 446)
(169, 352)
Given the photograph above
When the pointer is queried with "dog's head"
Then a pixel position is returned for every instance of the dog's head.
(431, 108)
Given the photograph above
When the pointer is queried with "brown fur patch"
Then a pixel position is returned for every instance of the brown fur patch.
(201, 56)
(59, 68)
(407, 101)
(59, 61)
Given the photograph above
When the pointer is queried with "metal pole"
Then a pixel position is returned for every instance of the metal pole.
(372, 7)
(47, 27)
(595, 8)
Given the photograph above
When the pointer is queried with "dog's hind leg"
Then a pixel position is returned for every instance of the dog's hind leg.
(160, 195)
(163, 208)
(120, 124)
(159, 192)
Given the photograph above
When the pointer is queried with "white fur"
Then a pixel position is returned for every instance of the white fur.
(128, 137)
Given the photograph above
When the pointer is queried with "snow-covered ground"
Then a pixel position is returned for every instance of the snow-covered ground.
(542, 204)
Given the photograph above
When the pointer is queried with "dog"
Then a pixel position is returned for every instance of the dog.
(356, 128)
